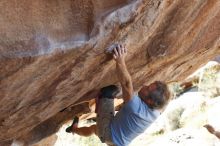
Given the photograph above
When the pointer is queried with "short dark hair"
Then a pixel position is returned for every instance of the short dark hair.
(160, 96)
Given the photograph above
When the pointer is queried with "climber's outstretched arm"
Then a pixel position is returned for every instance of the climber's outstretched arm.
(122, 72)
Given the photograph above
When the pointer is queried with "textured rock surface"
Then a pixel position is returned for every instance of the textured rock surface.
(52, 52)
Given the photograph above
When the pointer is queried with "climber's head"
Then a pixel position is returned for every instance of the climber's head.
(156, 95)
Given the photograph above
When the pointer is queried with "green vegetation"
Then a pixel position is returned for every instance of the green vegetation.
(159, 132)
(210, 81)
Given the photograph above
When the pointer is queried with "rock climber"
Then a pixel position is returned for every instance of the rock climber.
(138, 112)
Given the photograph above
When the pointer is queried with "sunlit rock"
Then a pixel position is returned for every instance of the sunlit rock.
(52, 52)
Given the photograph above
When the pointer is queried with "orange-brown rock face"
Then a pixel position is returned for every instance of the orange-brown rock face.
(52, 52)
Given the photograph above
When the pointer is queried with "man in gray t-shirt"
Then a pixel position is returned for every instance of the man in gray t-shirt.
(137, 113)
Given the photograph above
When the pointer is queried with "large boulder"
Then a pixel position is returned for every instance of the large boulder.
(52, 52)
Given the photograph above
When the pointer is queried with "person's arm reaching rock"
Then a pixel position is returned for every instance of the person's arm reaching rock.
(124, 77)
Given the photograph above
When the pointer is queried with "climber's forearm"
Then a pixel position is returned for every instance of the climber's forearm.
(123, 74)
(119, 53)
(125, 80)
